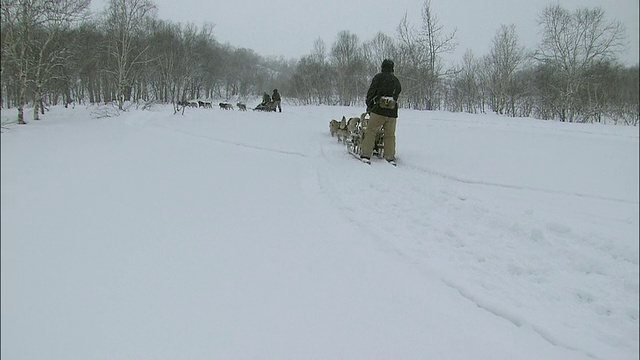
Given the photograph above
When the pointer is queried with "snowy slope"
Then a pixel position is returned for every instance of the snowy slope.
(227, 234)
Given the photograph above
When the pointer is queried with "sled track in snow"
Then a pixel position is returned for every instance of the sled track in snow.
(515, 187)
(514, 319)
(420, 169)
(234, 143)
(536, 127)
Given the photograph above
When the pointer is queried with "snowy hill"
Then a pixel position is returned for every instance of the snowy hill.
(244, 235)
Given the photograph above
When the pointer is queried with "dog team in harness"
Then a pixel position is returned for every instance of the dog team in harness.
(374, 133)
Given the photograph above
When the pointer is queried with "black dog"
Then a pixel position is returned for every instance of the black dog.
(225, 106)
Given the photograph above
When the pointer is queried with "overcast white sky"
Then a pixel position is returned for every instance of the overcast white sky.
(289, 27)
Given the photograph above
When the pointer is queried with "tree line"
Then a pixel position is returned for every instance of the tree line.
(55, 52)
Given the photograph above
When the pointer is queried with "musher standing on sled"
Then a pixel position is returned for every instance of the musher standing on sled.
(382, 104)
(276, 100)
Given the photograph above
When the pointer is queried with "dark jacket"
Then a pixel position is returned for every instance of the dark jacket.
(384, 83)
(276, 95)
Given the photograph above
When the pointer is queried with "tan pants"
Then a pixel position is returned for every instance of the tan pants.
(376, 124)
(276, 105)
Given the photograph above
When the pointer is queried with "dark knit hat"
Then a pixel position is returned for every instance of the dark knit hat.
(387, 65)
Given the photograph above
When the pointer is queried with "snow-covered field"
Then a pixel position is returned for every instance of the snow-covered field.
(245, 235)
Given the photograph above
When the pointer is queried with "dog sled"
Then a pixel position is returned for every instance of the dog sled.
(270, 106)
(351, 133)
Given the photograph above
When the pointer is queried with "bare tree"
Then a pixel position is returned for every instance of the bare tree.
(322, 78)
(303, 81)
(468, 81)
(377, 49)
(348, 61)
(53, 49)
(319, 51)
(32, 27)
(166, 49)
(313, 79)
(435, 43)
(189, 67)
(504, 59)
(126, 19)
(411, 69)
(571, 43)
(420, 53)
(88, 59)
(19, 20)
(626, 99)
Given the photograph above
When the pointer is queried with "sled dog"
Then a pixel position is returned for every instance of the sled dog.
(333, 127)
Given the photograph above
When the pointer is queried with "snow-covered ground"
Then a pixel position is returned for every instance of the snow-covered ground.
(247, 235)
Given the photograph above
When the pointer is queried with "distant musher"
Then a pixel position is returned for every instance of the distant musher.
(276, 100)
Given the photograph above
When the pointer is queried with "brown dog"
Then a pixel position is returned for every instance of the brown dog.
(342, 132)
(333, 127)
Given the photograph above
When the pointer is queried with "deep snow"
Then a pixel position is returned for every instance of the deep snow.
(243, 235)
